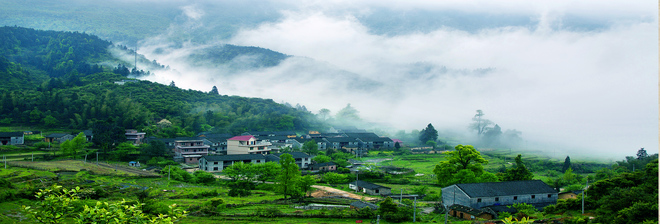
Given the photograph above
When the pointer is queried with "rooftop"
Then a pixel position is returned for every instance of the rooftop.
(492, 189)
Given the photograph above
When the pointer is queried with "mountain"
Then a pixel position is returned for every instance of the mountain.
(58, 79)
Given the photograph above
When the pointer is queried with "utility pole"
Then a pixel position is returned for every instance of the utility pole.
(401, 196)
(414, 209)
(357, 173)
(33, 157)
(97, 158)
(168, 172)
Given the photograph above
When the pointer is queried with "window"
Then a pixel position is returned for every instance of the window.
(215, 168)
(515, 197)
(251, 148)
(497, 199)
(215, 163)
(549, 195)
(533, 196)
(478, 199)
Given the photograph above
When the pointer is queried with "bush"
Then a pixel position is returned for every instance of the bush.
(241, 188)
(269, 212)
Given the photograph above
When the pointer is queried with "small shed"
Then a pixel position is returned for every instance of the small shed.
(133, 163)
(370, 188)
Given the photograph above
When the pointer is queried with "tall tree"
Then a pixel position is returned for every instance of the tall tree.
(267, 171)
(462, 160)
(305, 183)
(310, 147)
(172, 84)
(479, 123)
(324, 114)
(348, 113)
(428, 134)
(520, 172)
(641, 154)
(289, 175)
(214, 91)
(567, 164)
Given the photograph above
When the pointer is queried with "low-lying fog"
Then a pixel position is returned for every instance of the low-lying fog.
(575, 79)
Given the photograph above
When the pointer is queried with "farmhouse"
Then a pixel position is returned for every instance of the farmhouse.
(58, 137)
(329, 166)
(480, 195)
(189, 151)
(467, 213)
(134, 136)
(247, 144)
(11, 138)
(369, 188)
(218, 163)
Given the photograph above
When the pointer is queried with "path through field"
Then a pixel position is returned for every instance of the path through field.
(334, 191)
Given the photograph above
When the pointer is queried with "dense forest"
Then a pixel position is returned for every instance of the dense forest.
(55, 79)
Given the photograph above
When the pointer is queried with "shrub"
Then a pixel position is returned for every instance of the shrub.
(269, 212)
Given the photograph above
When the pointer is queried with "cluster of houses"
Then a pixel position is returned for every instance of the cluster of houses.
(215, 152)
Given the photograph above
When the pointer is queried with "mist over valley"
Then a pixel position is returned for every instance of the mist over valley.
(573, 79)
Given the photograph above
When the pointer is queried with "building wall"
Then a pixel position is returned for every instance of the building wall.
(453, 195)
(218, 166)
(512, 199)
(247, 147)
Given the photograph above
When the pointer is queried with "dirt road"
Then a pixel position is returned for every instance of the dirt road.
(333, 191)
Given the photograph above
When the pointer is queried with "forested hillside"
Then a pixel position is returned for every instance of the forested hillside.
(55, 79)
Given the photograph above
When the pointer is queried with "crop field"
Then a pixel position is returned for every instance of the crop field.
(75, 165)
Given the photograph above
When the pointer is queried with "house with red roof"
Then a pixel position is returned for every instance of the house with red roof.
(247, 144)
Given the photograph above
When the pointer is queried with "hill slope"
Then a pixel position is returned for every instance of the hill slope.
(70, 89)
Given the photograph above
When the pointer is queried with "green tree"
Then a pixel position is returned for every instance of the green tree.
(288, 177)
(348, 114)
(321, 159)
(74, 146)
(519, 172)
(267, 171)
(461, 158)
(310, 147)
(567, 164)
(305, 183)
(203, 177)
(214, 90)
(153, 149)
(240, 171)
(324, 114)
(480, 124)
(335, 178)
(50, 121)
(124, 150)
(428, 134)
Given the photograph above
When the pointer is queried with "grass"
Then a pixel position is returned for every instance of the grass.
(70, 165)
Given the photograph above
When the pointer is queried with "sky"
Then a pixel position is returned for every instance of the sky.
(575, 77)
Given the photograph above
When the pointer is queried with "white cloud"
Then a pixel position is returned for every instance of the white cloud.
(591, 90)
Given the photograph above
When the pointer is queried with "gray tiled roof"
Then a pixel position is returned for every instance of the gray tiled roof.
(492, 189)
(11, 134)
(367, 185)
(295, 155)
(234, 157)
(362, 204)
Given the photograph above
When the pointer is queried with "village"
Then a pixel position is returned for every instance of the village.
(214, 153)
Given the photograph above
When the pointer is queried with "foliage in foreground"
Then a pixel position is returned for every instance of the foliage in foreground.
(56, 205)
